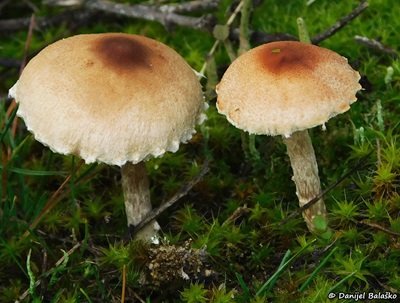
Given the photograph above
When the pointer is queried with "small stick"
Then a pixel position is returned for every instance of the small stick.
(217, 42)
(28, 40)
(53, 200)
(376, 45)
(261, 37)
(71, 16)
(381, 228)
(123, 283)
(60, 261)
(186, 7)
(10, 63)
(341, 23)
(310, 203)
(239, 212)
(137, 297)
(190, 6)
(164, 206)
(24, 59)
(4, 4)
(146, 12)
(44, 269)
(13, 104)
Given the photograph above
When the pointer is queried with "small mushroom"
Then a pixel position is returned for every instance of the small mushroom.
(284, 88)
(114, 98)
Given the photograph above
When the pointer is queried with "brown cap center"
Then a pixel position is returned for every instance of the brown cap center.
(122, 53)
(284, 57)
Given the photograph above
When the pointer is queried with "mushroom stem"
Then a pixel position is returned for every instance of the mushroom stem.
(305, 175)
(135, 185)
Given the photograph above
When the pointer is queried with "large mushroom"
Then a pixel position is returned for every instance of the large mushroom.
(114, 98)
(284, 88)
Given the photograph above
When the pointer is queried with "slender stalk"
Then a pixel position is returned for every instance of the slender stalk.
(303, 33)
(229, 50)
(244, 44)
(305, 175)
(135, 185)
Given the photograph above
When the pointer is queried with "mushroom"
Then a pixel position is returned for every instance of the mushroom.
(114, 98)
(284, 88)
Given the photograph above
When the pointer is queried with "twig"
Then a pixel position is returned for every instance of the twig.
(217, 42)
(44, 270)
(64, 3)
(190, 7)
(53, 200)
(32, 6)
(13, 104)
(147, 12)
(341, 23)
(186, 7)
(376, 45)
(71, 16)
(123, 283)
(389, 288)
(28, 40)
(165, 14)
(164, 206)
(23, 63)
(11, 111)
(137, 297)
(59, 194)
(10, 63)
(381, 228)
(60, 261)
(257, 37)
(14, 24)
(49, 205)
(4, 4)
(314, 200)
(239, 212)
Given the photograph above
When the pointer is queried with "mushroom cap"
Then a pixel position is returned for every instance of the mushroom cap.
(110, 98)
(282, 87)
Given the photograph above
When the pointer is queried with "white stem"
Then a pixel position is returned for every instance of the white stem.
(135, 185)
(305, 174)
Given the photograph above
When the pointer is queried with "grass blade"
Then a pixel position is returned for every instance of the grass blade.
(317, 269)
(341, 281)
(30, 172)
(284, 259)
(8, 124)
(284, 264)
(243, 285)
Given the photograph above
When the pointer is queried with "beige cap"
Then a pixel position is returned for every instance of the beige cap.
(282, 87)
(110, 97)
